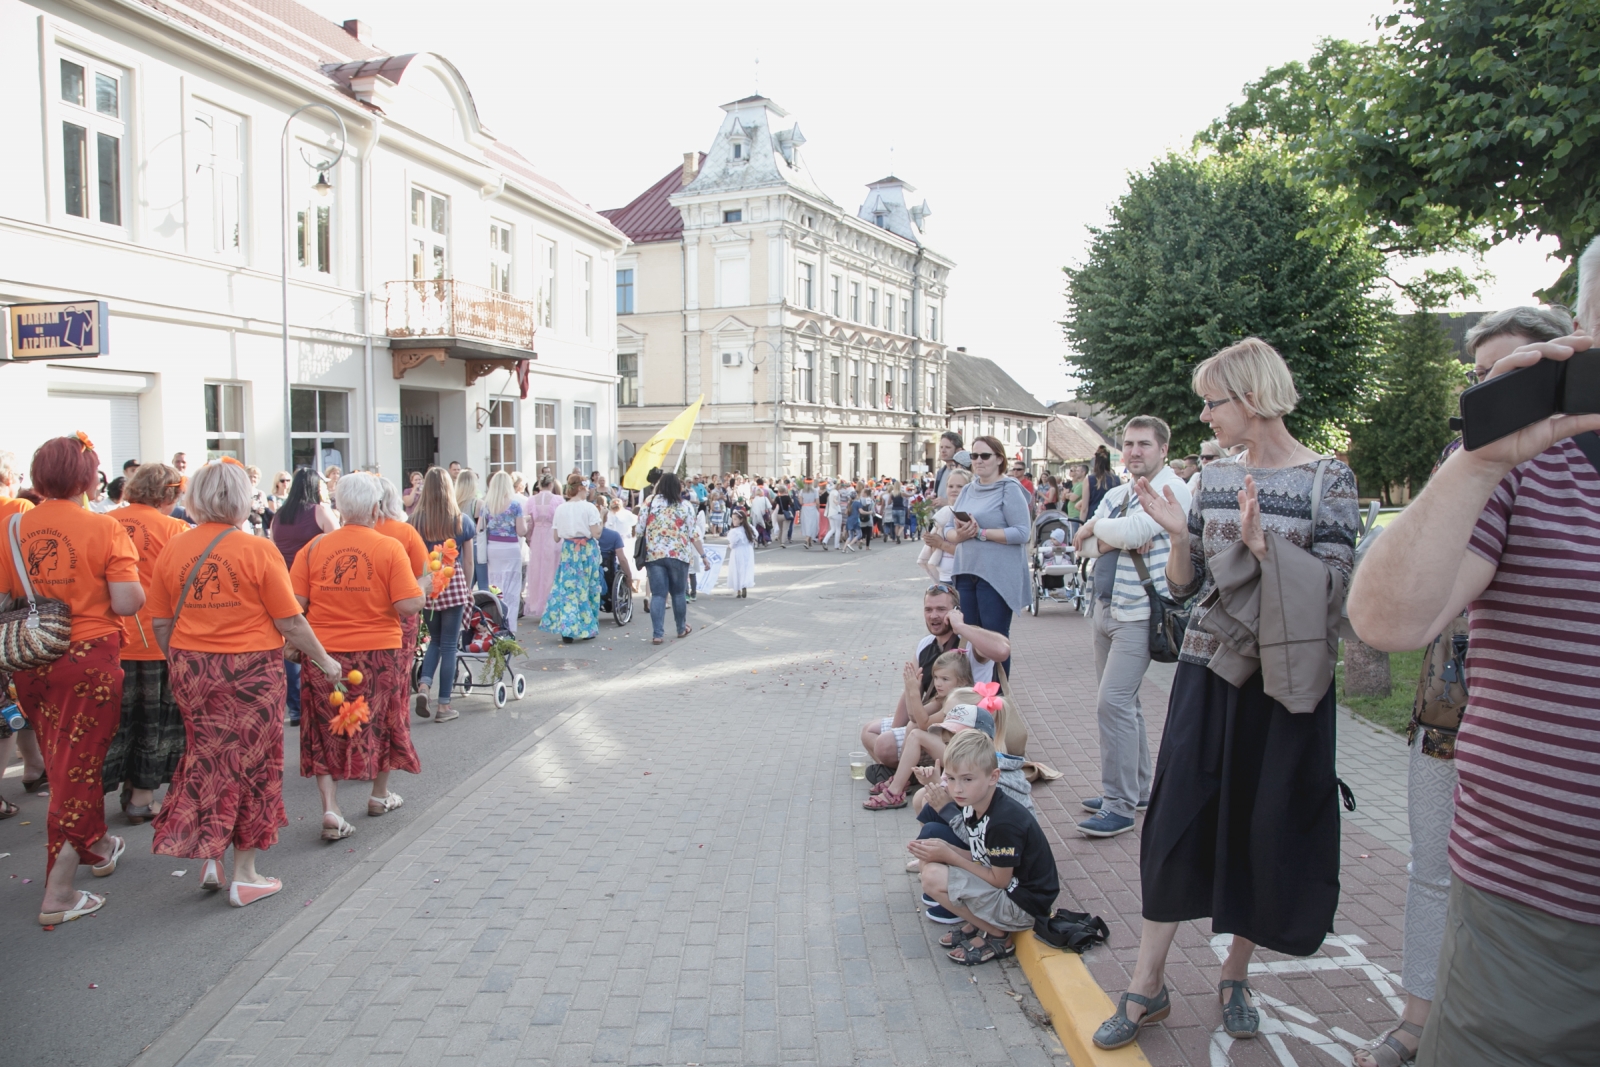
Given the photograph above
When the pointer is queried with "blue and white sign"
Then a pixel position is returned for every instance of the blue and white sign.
(72, 330)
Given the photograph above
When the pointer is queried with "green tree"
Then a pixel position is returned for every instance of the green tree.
(1468, 116)
(1406, 424)
(1201, 253)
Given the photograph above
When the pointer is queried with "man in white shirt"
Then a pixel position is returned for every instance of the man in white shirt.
(1117, 532)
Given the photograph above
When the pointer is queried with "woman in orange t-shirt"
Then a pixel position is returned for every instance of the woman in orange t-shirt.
(150, 741)
(74, 703)
(223, 633)
(394, 524)
(356, 585)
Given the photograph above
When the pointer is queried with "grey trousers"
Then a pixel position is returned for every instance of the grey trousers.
(1121, 656)
(1431, 806)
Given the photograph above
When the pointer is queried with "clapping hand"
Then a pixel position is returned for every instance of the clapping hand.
(912, 675)
(1250, 531)
(1165, 509)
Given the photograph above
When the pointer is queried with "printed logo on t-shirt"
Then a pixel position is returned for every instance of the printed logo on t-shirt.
(50, 558)
(348, 570)
(216, 584)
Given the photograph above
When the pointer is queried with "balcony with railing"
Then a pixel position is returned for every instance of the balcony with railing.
(446, 319)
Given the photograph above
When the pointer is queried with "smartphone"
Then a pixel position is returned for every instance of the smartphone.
(962, 516)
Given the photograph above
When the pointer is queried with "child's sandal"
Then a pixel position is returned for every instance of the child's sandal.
(955, 937)
(982, 949)
(884, 801)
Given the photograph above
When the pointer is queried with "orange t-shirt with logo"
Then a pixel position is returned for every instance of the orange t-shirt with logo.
(9, 506)
(406, 534)
(149, 530)
(241, 588)
(352, 577)
(72, 554)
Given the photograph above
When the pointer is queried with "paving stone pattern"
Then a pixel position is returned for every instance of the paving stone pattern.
(680, 874)
(1312, 1009)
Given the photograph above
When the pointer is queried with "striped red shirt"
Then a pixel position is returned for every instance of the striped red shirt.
(1527, 820)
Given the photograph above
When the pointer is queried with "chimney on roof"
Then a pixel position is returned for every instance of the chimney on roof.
(359, 30)
(691, 167)
(961, 348)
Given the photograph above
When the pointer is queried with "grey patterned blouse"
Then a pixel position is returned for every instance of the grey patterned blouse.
(1285, 496)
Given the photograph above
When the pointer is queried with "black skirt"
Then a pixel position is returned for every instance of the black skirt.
(151, 738)
(1243, 824)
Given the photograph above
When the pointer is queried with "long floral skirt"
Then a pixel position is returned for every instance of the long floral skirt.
(151, 738)
(410, 626)
(75, 705)
(383, 744)
(228, 788)
(574, 606)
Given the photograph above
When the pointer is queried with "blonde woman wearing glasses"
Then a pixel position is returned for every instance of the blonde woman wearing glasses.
(991, 571)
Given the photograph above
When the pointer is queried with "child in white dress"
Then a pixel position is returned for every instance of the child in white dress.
(741, 554)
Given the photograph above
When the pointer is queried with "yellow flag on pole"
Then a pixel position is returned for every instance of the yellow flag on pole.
(654, 451)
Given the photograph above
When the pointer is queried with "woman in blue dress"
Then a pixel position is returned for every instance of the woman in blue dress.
(573, 610)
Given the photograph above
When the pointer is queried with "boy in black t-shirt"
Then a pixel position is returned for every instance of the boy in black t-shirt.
(1007, 878)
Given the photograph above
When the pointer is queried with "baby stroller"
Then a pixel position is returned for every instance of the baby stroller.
(1052, 563)
(482, 624)
(616, 593)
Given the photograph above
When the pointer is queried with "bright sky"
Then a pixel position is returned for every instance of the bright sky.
(1019, 123)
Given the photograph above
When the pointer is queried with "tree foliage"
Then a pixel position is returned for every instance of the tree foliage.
(1406, 424)
(1202, 253)
(1467, 116)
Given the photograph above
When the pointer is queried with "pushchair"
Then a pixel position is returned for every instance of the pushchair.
(482, 624)
(1052, 563)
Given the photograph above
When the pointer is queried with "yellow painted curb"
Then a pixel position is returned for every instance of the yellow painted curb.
(1075, 1002)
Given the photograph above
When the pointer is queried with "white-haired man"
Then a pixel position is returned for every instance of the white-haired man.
(1117, 533)
(1511, 532)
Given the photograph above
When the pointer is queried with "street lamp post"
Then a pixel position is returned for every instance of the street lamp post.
(323, 188)
(777, 396)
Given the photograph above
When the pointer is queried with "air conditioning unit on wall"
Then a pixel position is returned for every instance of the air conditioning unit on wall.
(733, 359)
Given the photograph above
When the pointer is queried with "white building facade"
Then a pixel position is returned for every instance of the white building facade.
(445, 301)
(815, 334)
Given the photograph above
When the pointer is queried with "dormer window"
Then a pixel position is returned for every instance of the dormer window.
(738, 150)
(880, 219)
(739, 138)
(733, 216)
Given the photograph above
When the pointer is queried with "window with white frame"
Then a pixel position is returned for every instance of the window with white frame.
(933, 324)
(583, 437)
(873, 395)
(545, 311)
(855, 301)
(217, 193)
(833, 296)
(625, 291)
(905, 388)
(834, 393)
(546, 455)
(930, 392)
(872, 307)
(586, 293)
(93, 132)
(627, 379)
(855, 383)
(430, 234)
(805, 390)
(502, 435)
(500, 256)
(888, 312)
(224, 421)
(312, 219)
(888, 386)
(319, 428)
(807, 285)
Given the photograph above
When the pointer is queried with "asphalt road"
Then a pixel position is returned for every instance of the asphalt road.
(95, 992)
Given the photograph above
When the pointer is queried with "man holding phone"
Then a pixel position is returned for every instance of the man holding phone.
(1510, 531)
(1119, 529)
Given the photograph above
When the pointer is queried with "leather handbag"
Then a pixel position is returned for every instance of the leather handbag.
(39, 633)
(1075, 931)
(641, 547)
(1169, 620)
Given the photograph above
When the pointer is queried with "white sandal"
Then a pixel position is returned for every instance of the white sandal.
(86, 904)
(336, 833)
(211, 875)
(385, 804)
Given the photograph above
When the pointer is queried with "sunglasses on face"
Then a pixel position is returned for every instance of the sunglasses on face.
(940, 587)
(981, 455)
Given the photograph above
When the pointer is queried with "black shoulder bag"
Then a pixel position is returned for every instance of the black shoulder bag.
(641, 547)
(1169, 620)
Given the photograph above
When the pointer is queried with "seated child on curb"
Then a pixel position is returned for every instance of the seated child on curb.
(925, 744)
(1006, 877)
(951, 670)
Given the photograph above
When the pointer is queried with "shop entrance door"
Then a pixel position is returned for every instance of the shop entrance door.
(419, 431)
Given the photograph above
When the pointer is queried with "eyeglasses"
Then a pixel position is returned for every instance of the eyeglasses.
(981, 455)
(1212, 405)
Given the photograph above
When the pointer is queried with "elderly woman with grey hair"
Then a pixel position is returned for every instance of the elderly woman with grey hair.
(355, 585)
(222, 610)
(1431, 775)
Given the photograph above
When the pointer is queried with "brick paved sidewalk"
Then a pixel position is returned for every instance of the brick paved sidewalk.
(679, 873)
(1313, 1009)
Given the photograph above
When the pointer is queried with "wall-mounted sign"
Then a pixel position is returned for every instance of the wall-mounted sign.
(72, 330)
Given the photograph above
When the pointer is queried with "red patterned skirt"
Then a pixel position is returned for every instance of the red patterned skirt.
(228, 788)
(383, 744)
(74, 705)
(410, 625)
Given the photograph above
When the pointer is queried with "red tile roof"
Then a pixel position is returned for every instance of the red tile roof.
(650, 217)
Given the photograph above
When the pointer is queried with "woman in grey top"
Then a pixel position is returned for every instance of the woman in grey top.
(1243, 824)
(991, 571)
